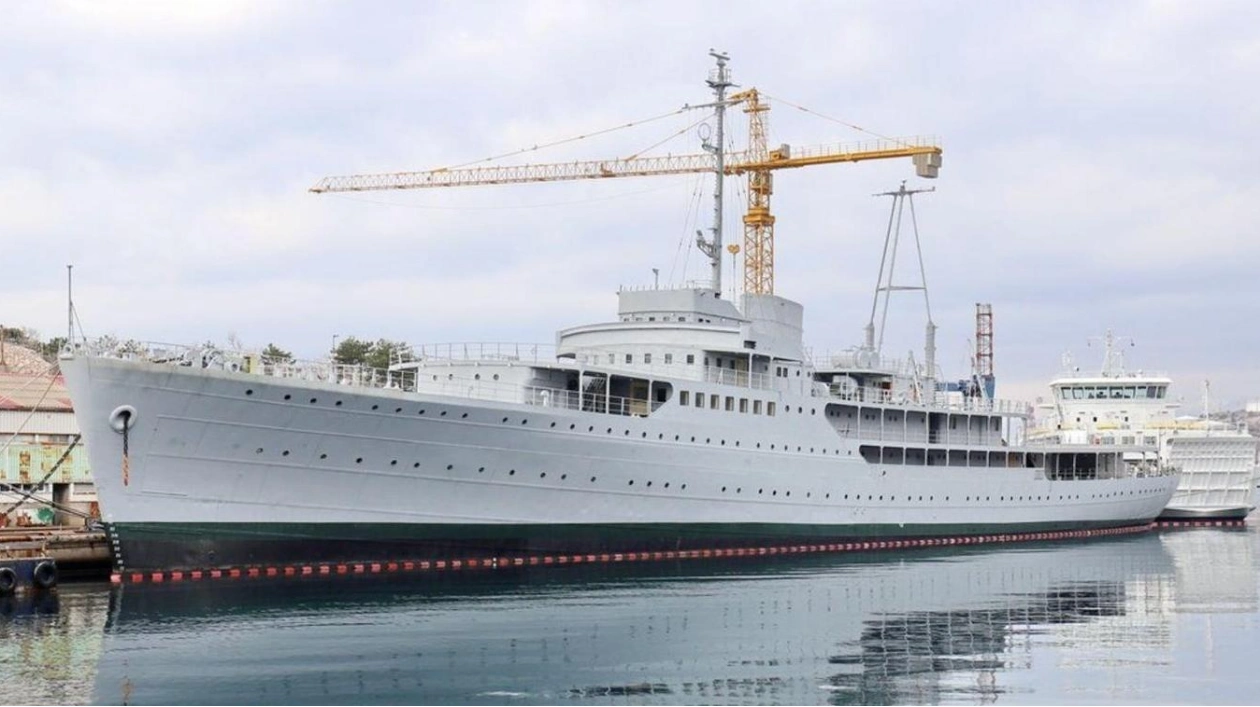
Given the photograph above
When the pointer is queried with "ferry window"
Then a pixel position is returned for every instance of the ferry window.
(699, 399)
(612, 358)
(629, 358)
(647, 358)
(743, 404)
(730, 403)
(684, 398)
(718, 361)
(682, 319)
(732, 364)
(770, 408)
(1116, 392)
(669, 358)
(756, 407)
(1162, 391)
(715, 401)
(1129, 392)
(706, 361)
(691, 359)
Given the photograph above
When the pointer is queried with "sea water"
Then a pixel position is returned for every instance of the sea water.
(1163, 617)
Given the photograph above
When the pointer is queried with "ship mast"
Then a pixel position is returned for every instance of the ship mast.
(719, 80)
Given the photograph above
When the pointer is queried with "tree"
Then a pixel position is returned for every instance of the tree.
(373, 354)
(51, 348)
(275, 354)
(352, 351)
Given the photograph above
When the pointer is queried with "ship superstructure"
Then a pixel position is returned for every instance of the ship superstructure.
(684, 424)
(1118, 406)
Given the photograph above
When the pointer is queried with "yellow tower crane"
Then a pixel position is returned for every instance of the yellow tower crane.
(757, 161)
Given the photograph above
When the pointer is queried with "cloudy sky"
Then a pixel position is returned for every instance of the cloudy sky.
(1098, 170)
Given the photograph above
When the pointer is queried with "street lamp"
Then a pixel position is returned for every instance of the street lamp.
(334, 347)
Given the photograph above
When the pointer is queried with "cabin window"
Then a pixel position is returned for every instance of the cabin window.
(770, 408)
(629, 358)
(743, 404)
(647, 358)
(684, 398)
(715, 401)
(612, 358)
(706, 361)
(730, 403)
(691, 359)
(756, 407)
(669, 358)
(699, 399)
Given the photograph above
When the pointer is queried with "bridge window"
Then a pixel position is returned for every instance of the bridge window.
(684, 398)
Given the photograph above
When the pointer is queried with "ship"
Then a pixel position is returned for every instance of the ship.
(1216, 459)
(687, 425)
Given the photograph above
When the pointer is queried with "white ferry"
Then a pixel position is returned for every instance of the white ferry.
(1216, 459)
(686, 424)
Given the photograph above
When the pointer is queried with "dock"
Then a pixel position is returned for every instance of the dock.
(80, 553)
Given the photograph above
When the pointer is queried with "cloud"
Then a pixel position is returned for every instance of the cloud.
(1093, 176)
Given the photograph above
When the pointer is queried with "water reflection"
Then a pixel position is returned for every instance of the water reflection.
(1121, 620)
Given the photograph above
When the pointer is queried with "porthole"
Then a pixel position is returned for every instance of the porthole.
(505, 419)
(465, 416)
(563, 477)
(442, 414)
(313, 400)
(736, 443)
(553, 424)
(288, 397)
(418, 412)
(644, 435)
(723, 443)
(337, 404)
(358, 460)
(774, 493)
(707, 440)
(809, 494)
(739, 489)
(481, 469)
(631, 483)
(760, 491)
(675, 438)
(649, 483)
(592, 479)
(693, 439)
(572, 426)
(376, 407)
(542, 475)
(249, 391)
(496, 376)
(323, 456)
(591, 428)
(416, 465)
(723, 489)
(285, 453)
(397, 410)
(627, 433)
(477, 377)
(609, 430)
(684, 487)
(524, 421)
(393, 462)
(258, 451)
(666, 484)
(512, 472)
(661, 436)
(829, 496)
(759, 445)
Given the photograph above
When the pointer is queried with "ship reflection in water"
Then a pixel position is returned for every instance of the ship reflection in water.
(1162, 618)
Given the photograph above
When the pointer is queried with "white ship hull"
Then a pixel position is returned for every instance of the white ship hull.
(240, 469)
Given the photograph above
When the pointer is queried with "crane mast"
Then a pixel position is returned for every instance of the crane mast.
(757, 162)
